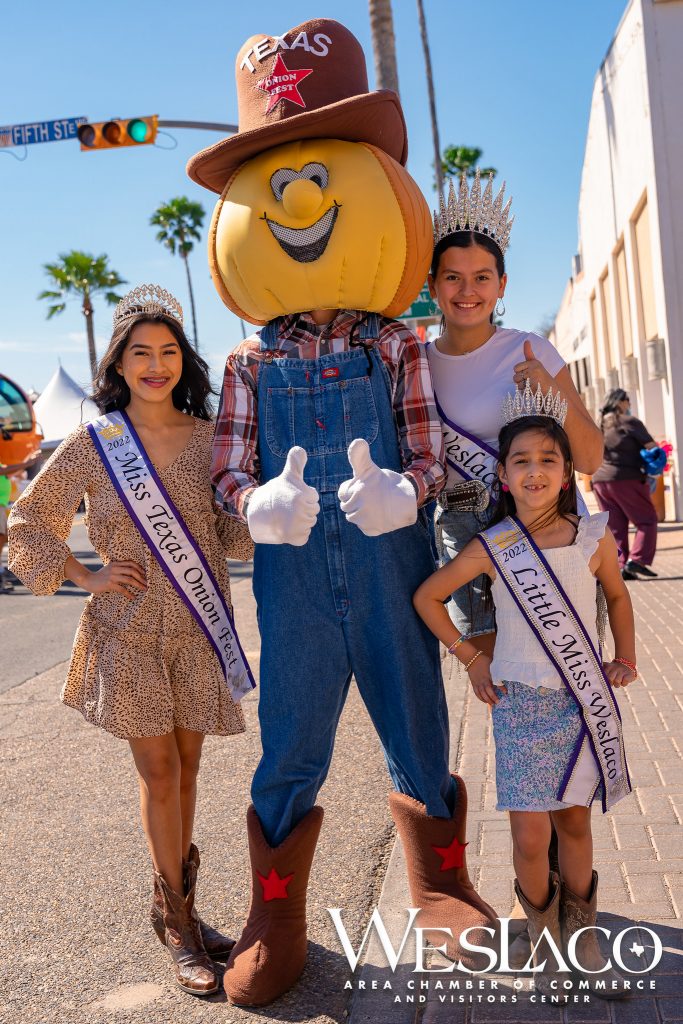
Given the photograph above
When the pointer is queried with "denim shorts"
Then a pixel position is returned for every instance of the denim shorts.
(454, 530)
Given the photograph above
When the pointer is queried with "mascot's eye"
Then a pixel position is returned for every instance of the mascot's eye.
(284, 175)
(317, 173)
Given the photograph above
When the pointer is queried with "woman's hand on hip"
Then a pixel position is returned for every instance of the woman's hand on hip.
(533, 369)
(124, 577)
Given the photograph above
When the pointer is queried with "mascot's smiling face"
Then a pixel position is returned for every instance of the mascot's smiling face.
(319, 224)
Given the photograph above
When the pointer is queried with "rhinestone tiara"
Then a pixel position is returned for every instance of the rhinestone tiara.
(472, 210)
(525, 403)
(148, 298)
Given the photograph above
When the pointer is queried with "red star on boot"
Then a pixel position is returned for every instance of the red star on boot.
(274, 887)
(452, 855)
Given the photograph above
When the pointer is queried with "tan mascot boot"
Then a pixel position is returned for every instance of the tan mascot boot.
(271, 952)
(194, 971)
(548, 918)
(437, 875)
(576, 913)
(216, 945)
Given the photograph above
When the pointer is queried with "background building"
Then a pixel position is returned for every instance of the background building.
(620, 323)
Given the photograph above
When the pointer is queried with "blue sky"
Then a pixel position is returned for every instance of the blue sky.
(513, 78)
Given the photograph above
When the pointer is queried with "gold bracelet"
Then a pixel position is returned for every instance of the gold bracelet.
(472, 661)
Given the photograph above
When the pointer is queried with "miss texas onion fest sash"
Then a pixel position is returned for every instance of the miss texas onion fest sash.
(162, 528)
(599, 752)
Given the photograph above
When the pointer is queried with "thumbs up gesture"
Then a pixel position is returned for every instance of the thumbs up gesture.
(533, 369)
(376, 500)
(284, 510)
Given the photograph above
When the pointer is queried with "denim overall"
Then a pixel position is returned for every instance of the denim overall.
(341, 604)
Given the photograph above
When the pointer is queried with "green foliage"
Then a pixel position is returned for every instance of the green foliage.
(179, 222)
(79, 274)
(459, 160)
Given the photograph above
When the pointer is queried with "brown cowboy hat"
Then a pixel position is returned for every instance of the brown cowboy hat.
(310, 83)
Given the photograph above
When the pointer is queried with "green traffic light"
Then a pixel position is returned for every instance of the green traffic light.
(138, 130)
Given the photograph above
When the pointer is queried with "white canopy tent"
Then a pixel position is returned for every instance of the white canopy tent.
(61, 407)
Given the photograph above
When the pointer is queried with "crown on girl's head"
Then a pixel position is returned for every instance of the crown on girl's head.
(471, 210)
(148, 298)
(526, 403)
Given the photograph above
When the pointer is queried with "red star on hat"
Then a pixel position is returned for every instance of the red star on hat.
(274, 887)
(452, 855)
(283, 84)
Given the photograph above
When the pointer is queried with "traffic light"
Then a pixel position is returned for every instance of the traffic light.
(134, 131)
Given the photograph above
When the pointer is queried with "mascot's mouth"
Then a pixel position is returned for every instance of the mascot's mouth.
(305, 245)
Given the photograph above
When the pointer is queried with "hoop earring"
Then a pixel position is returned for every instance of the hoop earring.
(442, 325)
(500, 312)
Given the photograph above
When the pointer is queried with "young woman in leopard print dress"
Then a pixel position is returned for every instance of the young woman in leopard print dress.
(141, 668)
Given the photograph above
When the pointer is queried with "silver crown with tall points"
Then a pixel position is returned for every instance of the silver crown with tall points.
(472, 210)
(525, 403)
(148, 298)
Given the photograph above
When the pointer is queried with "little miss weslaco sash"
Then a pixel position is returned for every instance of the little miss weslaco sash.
(599, 752)
(162, 528)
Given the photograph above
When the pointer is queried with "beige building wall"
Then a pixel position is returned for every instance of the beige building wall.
(622, 308)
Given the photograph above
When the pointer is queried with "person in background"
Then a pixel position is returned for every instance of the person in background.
(621, 487)
(6, 584)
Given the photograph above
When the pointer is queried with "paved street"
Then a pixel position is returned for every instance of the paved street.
(75, 946)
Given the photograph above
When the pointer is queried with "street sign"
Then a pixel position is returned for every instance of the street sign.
(40, 131)
(423, 308)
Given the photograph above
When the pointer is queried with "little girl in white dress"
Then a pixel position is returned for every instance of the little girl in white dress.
(540, 724)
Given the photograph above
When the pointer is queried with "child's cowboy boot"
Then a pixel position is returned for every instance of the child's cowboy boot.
(548, 918)
(519, 949)
(437, 875)
(194, 971)
(216, 945)
(271, 952)
(576, 913)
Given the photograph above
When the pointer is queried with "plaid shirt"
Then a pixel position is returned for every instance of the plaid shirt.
(235, 465)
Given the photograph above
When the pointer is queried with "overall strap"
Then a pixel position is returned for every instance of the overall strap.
(369, 328)
(269, 335)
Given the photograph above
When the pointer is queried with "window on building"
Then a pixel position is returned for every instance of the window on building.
(646, 292)
(611, 345)
(598, 346)
(623, 307)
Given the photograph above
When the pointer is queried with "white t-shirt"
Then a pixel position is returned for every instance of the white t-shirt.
(471, 388)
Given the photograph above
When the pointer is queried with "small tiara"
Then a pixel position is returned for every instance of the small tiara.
(471, 210)
(525, 403)
(148, 298)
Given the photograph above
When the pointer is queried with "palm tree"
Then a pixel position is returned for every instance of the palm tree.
(79, 273)
(458, 160)
(383, 44)
(438, 166)
(179, 222)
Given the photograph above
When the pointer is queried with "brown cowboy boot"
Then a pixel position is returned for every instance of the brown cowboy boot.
(519, 950)
(194, 971)
(576, 913)
(271, 952)
(437, 875)
(548, 918)
(218, 946)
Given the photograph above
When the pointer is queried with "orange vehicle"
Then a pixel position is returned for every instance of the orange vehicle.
(20, 436)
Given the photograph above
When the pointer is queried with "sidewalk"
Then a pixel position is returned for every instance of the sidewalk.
(638, 847)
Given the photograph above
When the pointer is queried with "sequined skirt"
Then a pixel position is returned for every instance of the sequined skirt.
(535, 732)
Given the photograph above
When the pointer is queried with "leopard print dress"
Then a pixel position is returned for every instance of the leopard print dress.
(139, 667)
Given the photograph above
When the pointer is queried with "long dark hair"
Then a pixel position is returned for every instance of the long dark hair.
(566, 502)
(191, 393)
(610, 414)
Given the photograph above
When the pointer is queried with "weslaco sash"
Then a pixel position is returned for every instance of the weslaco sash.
(149, 505)
(467, 456)
(599, 752)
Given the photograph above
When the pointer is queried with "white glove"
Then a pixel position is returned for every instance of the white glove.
(376, 500)
(284, 510)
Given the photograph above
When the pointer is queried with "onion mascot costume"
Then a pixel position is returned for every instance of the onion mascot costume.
(329, 443)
